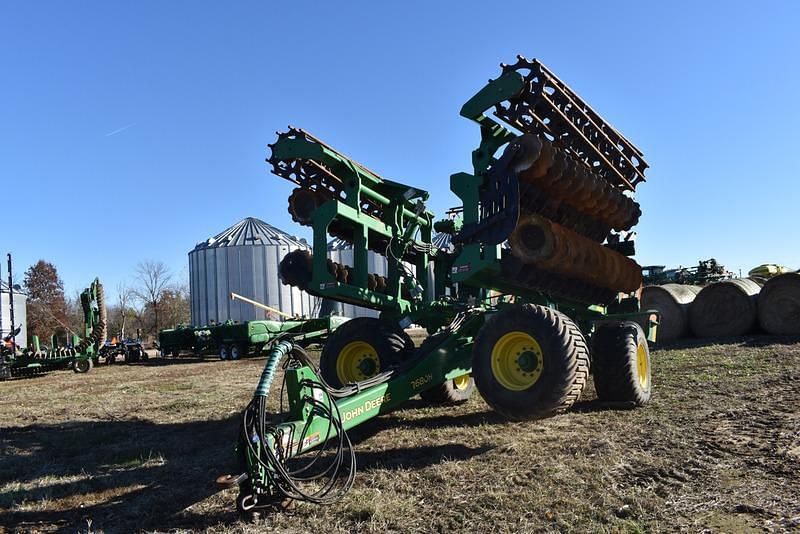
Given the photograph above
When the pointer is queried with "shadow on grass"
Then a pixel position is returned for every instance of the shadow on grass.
(136, 475)
(157, 362)
(395, 419)
(143, 474)
(417, 457)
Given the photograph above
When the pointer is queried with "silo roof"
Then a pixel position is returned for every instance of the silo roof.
(251, 231)
(339, 244)
(443, 241)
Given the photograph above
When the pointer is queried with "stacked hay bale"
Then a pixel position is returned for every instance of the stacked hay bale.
(779, 305)
(725, 309)
(672, 301)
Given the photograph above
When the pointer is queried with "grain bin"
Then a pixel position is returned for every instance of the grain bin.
(342, 252)
(20, 302)
(672, 302)
(244, 259)
(779, 305)
(724, 309)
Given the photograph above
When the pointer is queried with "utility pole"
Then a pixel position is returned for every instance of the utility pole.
(11, 306)
(2, 341)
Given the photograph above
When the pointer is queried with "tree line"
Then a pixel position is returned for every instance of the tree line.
(153, 300)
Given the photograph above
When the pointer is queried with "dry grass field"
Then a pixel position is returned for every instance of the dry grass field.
(137, 448)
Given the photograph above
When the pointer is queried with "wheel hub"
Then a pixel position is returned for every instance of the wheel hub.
(461, 383)
(357, 361)
(517, 360)
(642, 366)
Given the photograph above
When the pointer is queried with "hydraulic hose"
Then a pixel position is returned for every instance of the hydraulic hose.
(279, 350)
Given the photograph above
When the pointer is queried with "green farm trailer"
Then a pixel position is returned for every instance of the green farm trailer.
(231, 340)
(538, 291)
(250, 337)
(183, 338)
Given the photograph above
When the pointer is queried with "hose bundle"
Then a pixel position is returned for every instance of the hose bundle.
(333, 474)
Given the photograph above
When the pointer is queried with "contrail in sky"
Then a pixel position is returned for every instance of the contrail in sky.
(115, 132)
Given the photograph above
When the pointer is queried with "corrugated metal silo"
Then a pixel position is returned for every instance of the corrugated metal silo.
(341, 251)
(20, 315)
(443, 241)
(244, 259)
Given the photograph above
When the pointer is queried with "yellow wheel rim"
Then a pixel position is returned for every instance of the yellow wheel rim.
(517, 361)
(642, 365)
(357, 361)
(461, 382)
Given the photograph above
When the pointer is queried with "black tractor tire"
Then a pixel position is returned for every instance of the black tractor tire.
(621, 363)
(390, 345)
(451, 391)
(237, 351)
(82, 366)
(553, 376)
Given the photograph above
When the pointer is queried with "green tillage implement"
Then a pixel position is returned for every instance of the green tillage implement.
(80, 354)
(526, 337)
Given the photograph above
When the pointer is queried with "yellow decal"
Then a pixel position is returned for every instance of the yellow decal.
(368, 405)
(421, 381)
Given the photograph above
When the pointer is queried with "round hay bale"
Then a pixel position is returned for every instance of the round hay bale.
(779, 305)
(725, 309)
(672, 302)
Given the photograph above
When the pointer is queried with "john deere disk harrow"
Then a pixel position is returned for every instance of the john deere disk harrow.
(537, 286)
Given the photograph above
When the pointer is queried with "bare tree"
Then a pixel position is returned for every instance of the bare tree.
(121, 313)
(124, 296)
(153, 279)
(175, 308)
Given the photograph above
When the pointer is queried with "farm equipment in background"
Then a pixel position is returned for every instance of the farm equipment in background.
(538, 285)
(236, 340)
(79, 354)
(182, 338)
(765, 271)
(706, 272)
(232, 339)
(128, 349)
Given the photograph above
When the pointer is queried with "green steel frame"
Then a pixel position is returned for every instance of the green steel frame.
(259, 333)
(246, 334)
(403, 215)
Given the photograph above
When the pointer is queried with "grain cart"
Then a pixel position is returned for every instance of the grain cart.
(80, 354)
(538, 288)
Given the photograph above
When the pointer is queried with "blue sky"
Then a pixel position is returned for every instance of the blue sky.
(133, 130)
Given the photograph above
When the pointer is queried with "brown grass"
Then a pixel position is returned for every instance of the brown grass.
(138, 447)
